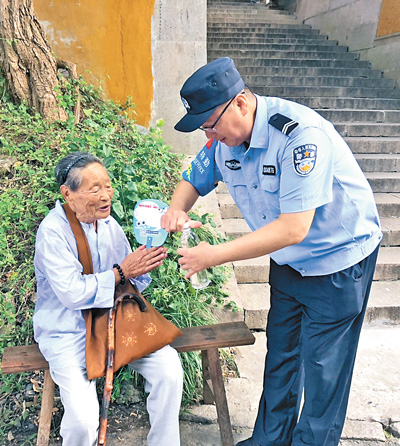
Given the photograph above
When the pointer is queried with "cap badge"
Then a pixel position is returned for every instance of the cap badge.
(186, 103)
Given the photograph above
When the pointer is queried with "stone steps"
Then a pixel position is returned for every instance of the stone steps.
(262, 39)
(305, 61)
(257, 270)
(287, 92)
(368, 129)
(236, 227)
(315, 72)
(352, 115)
(226, 29)
(320, 81)
(319, 102)
(373, 145)
(382, 304)
(371, 162)
(384, 182)
(278, 56)
(313, 47)
(388, 204)
(237, 14)
(254, 23)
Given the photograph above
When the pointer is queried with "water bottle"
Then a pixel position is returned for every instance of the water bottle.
(188, 240)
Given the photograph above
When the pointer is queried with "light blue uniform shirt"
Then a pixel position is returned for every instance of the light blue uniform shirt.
(296, 161)
(63, 291)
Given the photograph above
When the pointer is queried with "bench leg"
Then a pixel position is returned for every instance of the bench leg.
(208, 394)
(46, 410)
(212, 368)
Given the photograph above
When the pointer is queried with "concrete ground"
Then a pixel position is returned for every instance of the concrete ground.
(373, 417)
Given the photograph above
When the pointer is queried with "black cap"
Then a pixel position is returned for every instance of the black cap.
(206, 89)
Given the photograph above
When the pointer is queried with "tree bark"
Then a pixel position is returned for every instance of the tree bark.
(26, 59)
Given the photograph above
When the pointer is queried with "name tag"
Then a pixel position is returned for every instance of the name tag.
(269, 170)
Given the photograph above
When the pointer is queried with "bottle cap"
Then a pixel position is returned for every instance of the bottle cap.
(186, 225)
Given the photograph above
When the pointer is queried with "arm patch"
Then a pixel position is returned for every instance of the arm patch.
(203, 173)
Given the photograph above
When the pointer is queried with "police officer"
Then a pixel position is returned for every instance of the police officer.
(310, 207)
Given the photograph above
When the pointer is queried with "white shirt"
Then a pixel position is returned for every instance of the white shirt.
(63, 291)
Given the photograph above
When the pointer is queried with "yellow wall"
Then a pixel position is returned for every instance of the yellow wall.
(111, 39)
(389, 20)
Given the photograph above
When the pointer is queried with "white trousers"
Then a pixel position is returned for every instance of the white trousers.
(162, 371)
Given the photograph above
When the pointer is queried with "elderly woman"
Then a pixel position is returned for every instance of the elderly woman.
(63, 292)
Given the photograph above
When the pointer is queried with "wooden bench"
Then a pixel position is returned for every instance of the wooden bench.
(207, 339)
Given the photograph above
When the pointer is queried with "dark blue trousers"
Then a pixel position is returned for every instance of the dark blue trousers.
(312, 335)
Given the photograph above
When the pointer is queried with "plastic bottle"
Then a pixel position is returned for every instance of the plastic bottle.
(188, 240)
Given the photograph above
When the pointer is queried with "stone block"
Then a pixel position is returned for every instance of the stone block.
(363, 430)
(256, 304)
(252, 270)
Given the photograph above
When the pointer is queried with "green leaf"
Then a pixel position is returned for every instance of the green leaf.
(88, 111)
(118, 209)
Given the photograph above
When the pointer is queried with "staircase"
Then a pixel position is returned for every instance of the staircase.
(279, 56)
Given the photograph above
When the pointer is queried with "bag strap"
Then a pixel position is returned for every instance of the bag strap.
(85, 258)
(84, 255)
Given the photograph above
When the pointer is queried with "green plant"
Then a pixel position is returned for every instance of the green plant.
(140, 166)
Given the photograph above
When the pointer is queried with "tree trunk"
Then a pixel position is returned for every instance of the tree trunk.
(26, 59)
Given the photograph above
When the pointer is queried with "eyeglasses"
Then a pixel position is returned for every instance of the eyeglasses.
(211, 129)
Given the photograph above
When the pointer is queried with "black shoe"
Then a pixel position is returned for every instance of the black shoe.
(248, 442)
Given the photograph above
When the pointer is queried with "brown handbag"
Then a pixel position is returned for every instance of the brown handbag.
(140, 328)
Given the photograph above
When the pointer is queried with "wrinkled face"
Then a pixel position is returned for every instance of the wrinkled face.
(232, 128)
(92, 201)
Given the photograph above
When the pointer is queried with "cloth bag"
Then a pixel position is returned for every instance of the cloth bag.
(139, 328)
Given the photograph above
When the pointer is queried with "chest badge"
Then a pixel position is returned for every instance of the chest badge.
(233, 164)
(304, 158)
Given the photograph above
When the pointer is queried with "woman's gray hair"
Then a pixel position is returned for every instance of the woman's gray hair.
(68, 169)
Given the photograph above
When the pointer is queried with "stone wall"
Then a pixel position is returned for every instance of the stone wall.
(144, 49)
(370, 27)
(179, 47)
(110, 42)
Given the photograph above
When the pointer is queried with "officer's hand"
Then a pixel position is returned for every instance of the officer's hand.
(173, 221)
(196, 259)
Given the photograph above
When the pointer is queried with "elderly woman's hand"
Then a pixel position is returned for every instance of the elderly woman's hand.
(143, 261)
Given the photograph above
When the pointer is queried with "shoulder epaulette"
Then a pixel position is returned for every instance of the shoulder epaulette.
(283, 123)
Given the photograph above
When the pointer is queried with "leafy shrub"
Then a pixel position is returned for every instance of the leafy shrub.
(140, 166)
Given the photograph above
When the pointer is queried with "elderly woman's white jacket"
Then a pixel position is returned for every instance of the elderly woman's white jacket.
(63, 291)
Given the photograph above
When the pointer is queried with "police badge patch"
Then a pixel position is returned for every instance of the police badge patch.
(233, 164)
(304, 158)
(185, 103)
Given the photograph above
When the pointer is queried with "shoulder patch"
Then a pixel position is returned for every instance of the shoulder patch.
(304, 158)
(283, 123)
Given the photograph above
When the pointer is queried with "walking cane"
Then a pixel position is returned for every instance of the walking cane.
(108, 385)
